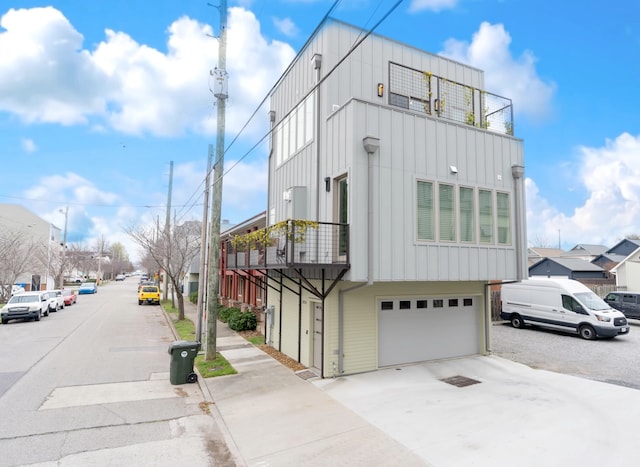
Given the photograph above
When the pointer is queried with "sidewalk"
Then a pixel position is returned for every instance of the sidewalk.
(412, 415)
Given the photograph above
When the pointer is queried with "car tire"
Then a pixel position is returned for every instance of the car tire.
(37, 318)
(46, 313)
(517, 322)
(139, 302)
(587, 332)
(5, 321)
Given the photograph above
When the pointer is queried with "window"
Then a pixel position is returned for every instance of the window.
(467, 302)
(421, 303)
(467, 226)
(447, 218)
(405, 304)
(453, 302)
(504, 221)
(308, 119)
(425, 211)
(294, 131)
(386, 306)
(438, 303)
(485, 212)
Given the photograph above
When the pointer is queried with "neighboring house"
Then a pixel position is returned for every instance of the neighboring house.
(587, 252)
(395, 196)
(244, 288)
(627, 272)
(536, 254)
(571, 268)
(616, 254)
(41, 236)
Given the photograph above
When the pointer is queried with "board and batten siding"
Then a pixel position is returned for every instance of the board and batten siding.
(406, 155)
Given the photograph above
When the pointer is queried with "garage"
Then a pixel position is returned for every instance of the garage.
(415, 330)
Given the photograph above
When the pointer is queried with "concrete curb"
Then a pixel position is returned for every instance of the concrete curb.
(213, 408)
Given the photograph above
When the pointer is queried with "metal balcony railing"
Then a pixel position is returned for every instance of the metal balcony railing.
(292, 244)
(425, 92)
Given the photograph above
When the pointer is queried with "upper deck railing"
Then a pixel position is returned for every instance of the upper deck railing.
(425, 92)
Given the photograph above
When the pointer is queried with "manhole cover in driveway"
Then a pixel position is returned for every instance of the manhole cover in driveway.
(459, 381)
(306, 374)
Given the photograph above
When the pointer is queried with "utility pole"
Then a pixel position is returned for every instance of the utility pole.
(64, 247)
(167, 235)
(202, 275)
(220, 92)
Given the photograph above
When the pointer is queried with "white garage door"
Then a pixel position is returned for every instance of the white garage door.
(416, 330)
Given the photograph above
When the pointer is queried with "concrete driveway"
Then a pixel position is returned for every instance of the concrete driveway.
(513, 415)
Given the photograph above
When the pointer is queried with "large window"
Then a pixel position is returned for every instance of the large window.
(447, 213)
(485, 211)
(295, 131)
(425, 211)
(504, 230)
(467, 221)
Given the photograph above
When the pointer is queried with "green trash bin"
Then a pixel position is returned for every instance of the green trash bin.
(183, 354)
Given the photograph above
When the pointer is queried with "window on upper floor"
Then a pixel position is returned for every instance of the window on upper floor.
(467, 221)
(448, 215)
(504, 221)
(295, 131)
(425, 211)
(485, 211)
(446, 200)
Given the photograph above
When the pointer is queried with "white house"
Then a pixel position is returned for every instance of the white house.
(395, 197)
(36, 233)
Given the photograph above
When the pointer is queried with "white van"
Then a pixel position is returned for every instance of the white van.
(561, 304)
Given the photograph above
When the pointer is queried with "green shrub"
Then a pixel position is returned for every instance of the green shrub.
(193, 297)
(224, 313)
(243, 321)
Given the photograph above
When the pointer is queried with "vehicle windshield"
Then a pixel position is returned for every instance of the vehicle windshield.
(24, 299)
(149, 289)
(67, 292)
(592, 301)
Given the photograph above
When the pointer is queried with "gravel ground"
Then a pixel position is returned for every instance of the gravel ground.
(615, 361)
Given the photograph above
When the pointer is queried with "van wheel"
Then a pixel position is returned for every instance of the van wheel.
(516, 321)
(587, 332)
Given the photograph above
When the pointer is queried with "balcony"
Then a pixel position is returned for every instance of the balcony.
(291, 244)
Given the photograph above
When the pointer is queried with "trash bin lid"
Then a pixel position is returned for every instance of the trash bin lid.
(184, 345)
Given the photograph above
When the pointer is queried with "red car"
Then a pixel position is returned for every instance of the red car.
(70, 296)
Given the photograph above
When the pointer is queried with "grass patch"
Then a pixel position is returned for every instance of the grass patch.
(218, 367)
(256, 340)
(187, 331)
(185, 328)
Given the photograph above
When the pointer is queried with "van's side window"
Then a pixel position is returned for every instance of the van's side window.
(570, 303)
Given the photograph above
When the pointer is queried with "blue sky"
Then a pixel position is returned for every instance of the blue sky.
(96, 99)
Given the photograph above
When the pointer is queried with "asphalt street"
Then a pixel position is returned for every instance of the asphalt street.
(89, 385)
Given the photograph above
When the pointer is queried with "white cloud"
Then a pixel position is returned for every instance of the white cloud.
(286, 26)
(46, 75)
(433, 5)
(611, 174)
(514, 78)
(28, 145)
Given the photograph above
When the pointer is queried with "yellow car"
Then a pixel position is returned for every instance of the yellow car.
(149, 294)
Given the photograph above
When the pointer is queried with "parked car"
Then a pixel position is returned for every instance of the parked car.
(149, 294)
(73, 279)
(28, 305)
(87, 288)
(70, 296)
(627, 302)
(56, 300)
(561, 304)
(120, 277)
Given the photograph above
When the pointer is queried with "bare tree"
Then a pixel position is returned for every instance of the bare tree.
(17, 256)
(172, 251)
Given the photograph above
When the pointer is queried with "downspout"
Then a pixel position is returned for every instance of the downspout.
(520, 222)
(371, 145)
(317, 63)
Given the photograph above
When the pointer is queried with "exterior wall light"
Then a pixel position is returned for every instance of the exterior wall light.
(380, 89)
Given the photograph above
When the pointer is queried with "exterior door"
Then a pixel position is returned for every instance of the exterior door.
(317, 336)
(342, 215)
